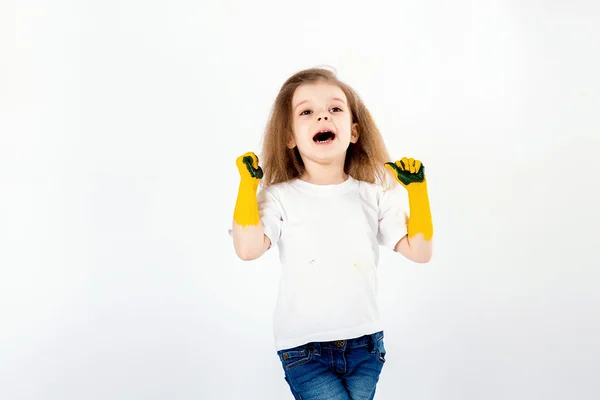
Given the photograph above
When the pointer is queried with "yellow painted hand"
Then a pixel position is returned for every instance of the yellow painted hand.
(410, 173)
(246, 206)
(248, 167)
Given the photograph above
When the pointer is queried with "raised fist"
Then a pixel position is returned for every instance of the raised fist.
(248, 166)
(407, 171)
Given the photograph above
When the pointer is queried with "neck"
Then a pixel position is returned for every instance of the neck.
(319, 174)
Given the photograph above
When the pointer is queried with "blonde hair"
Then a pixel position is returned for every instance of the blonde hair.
(365, 159)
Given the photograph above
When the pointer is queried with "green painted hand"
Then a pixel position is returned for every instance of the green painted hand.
(248, 166)
(407, 171)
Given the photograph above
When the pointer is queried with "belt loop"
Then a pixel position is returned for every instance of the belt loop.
(372, 343)
(316, 348)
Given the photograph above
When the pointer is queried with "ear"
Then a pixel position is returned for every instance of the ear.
(291, 143)
(354, 133)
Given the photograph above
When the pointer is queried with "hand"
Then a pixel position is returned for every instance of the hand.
(248, 167)
(407, 171)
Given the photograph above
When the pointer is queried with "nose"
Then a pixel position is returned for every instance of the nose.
(322, 114)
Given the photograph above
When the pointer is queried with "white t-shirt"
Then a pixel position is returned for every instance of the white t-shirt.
(328, 238)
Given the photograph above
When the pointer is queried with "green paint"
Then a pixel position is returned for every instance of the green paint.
(407, 177)
(254, 172)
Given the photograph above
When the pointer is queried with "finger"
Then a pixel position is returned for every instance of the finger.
(400, 165)
(411, 163)
(395, 170)
(259, 173)
(417, 166)
(392, 167)
(406, 163)
(241, 159)
(253, 157)
(248, 161)
(255, 172)
(249, 154)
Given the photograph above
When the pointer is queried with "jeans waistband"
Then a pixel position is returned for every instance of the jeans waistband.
(366, 340)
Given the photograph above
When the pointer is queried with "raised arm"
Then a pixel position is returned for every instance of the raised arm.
(249, 239)
(417, 245)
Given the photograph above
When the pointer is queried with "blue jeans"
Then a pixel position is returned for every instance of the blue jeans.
(337, 370)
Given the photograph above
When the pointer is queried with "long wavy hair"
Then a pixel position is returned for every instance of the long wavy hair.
(365, 159)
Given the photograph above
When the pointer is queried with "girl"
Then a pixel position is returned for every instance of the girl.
(328, 203)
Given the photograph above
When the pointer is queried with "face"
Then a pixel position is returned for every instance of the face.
(322, 123)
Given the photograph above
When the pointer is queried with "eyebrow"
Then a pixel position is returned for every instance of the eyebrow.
(333, 98)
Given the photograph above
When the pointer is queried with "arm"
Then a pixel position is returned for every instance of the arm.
(249, 240)
(416, 249)
(417, 246)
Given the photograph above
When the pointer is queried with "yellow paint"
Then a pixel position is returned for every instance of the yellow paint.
(410, 173)
(420, 220)
(246, 205)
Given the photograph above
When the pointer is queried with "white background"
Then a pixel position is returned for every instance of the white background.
(120, 122)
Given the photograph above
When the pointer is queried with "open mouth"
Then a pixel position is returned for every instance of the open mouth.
(324, 137)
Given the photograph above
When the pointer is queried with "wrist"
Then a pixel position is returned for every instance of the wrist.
(418, 195)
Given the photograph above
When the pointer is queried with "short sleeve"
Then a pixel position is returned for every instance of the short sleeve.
(269, 209)
(393, 216)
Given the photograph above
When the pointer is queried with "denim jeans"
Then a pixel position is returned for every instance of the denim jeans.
(336, 370)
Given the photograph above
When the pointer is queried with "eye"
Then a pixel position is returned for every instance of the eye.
(305, 112)
(336, 108)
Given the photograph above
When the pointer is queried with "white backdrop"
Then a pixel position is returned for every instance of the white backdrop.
(120, 122)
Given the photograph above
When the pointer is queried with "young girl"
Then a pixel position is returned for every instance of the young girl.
(328, 203)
